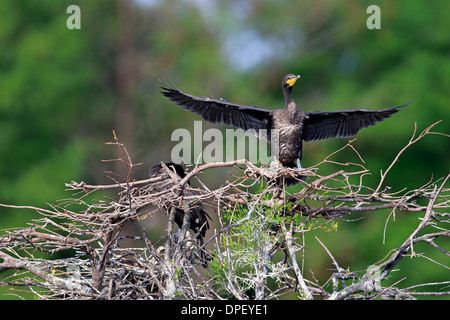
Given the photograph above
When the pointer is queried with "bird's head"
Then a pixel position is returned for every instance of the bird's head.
(158, 170)
(289, 80)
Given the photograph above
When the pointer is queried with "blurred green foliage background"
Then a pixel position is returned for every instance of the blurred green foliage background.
(62, 92)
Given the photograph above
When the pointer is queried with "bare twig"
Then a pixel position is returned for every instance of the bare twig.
(90, 232)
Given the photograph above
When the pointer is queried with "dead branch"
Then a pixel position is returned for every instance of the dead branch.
(101, 266)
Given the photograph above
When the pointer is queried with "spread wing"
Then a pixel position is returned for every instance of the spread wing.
(344, 123)
(222, 112)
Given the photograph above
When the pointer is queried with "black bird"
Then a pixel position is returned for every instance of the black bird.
(199, 218)
(292, 125)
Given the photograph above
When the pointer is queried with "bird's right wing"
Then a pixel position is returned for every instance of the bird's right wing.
(222, 112)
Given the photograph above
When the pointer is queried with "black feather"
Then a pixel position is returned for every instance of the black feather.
(342, 124)
(198, 221)
(294, 126)
(222, 112)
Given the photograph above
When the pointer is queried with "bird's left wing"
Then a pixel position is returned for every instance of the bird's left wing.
(342, 124)
(221, 111)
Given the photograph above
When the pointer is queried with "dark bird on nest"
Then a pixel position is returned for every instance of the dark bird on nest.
(292, 125)
(198, 221)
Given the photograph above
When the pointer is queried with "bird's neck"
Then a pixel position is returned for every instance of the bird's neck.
(288, 101)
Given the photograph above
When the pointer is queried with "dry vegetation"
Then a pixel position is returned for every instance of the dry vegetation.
(254, 226)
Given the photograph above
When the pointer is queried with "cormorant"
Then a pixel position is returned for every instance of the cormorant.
(199, 218)
(293, 125)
